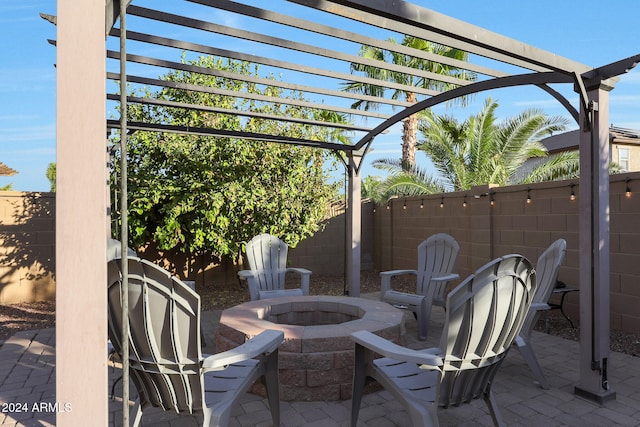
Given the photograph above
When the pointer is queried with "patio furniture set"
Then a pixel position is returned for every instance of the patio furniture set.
(493, 309)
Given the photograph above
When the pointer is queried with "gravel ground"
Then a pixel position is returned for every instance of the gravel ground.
(26, 316)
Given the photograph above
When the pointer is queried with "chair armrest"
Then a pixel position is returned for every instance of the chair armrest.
(252, 283)
(395, 298)
(539, 306)
(264, 343)
(392, 273)
(300, 271)
(245, 274)
(446, 278)
(429, 358)
(386, 278)
(304, 278)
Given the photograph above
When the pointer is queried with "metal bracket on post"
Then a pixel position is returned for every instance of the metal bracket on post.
(357, 156)
(590, 107)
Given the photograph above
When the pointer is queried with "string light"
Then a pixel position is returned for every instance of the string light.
(528, 196)
(421, 203)
(491, 200)
(442, 202)
(404, 204)
(572, 197)
(388, 204)
(628, 189)
(464, 201)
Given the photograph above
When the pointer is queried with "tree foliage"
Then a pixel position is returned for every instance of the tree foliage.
(197, 193)
(479, 151)
(51, 176)
(401, 181)
(410, 124)
(482, 151)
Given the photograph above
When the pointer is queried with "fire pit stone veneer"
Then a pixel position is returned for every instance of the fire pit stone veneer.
(316, 357)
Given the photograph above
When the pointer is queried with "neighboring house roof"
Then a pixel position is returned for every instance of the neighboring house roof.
(624, 136)
(6, 170)
(570, 140)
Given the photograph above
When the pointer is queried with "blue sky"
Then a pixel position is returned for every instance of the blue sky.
(585, 31)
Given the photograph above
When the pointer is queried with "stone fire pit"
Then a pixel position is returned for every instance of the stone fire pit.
(316, 357)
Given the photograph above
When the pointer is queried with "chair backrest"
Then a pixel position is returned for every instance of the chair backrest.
(267, 256)
(547, 269)
(436, 258)
(483, 317)
(164, 335)
(114, 249)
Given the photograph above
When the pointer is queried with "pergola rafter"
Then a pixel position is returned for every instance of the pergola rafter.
(314, 59)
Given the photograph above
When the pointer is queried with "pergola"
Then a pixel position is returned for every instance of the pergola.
(312, 43)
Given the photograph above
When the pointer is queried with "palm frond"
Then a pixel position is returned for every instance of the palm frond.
(403, 183)
(564, 165)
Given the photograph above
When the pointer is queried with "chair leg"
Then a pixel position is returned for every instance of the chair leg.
(135, 415)
(529, 356)
(490, 400)
(270, 381)
(424, 315)
(359, 381)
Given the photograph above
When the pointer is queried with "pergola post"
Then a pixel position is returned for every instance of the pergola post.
(594, 246)
(354, 225)
(81, 215)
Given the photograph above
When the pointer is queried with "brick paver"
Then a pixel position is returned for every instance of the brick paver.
(27, 375)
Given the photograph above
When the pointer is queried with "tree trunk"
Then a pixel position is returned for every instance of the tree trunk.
(410, 137)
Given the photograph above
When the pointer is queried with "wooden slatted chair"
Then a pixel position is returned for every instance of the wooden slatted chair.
(436, 258)
(267, 256)
(166, 363)
(483, 317)
(547, 269)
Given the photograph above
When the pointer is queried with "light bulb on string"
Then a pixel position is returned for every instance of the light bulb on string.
(627, 192)
(528, 196)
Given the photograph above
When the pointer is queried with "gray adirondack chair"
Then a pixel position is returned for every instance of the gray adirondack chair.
(114, 249)
(547, 269)
(436, 258)
(166, 363)
(267, 256)
(483, 316)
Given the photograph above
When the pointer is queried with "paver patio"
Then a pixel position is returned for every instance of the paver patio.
(27, 377)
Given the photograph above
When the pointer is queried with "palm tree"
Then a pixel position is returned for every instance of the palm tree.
(480, 151)
(410, 125)
(402, 182)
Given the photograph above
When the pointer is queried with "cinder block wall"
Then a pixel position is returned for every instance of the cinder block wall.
(513, 225)
(324, 253)
(389, 239)
(27, 247)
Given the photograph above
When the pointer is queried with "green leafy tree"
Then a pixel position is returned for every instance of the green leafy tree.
(51, 176)
(370, 188)
(410, 125)
(197, 193)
